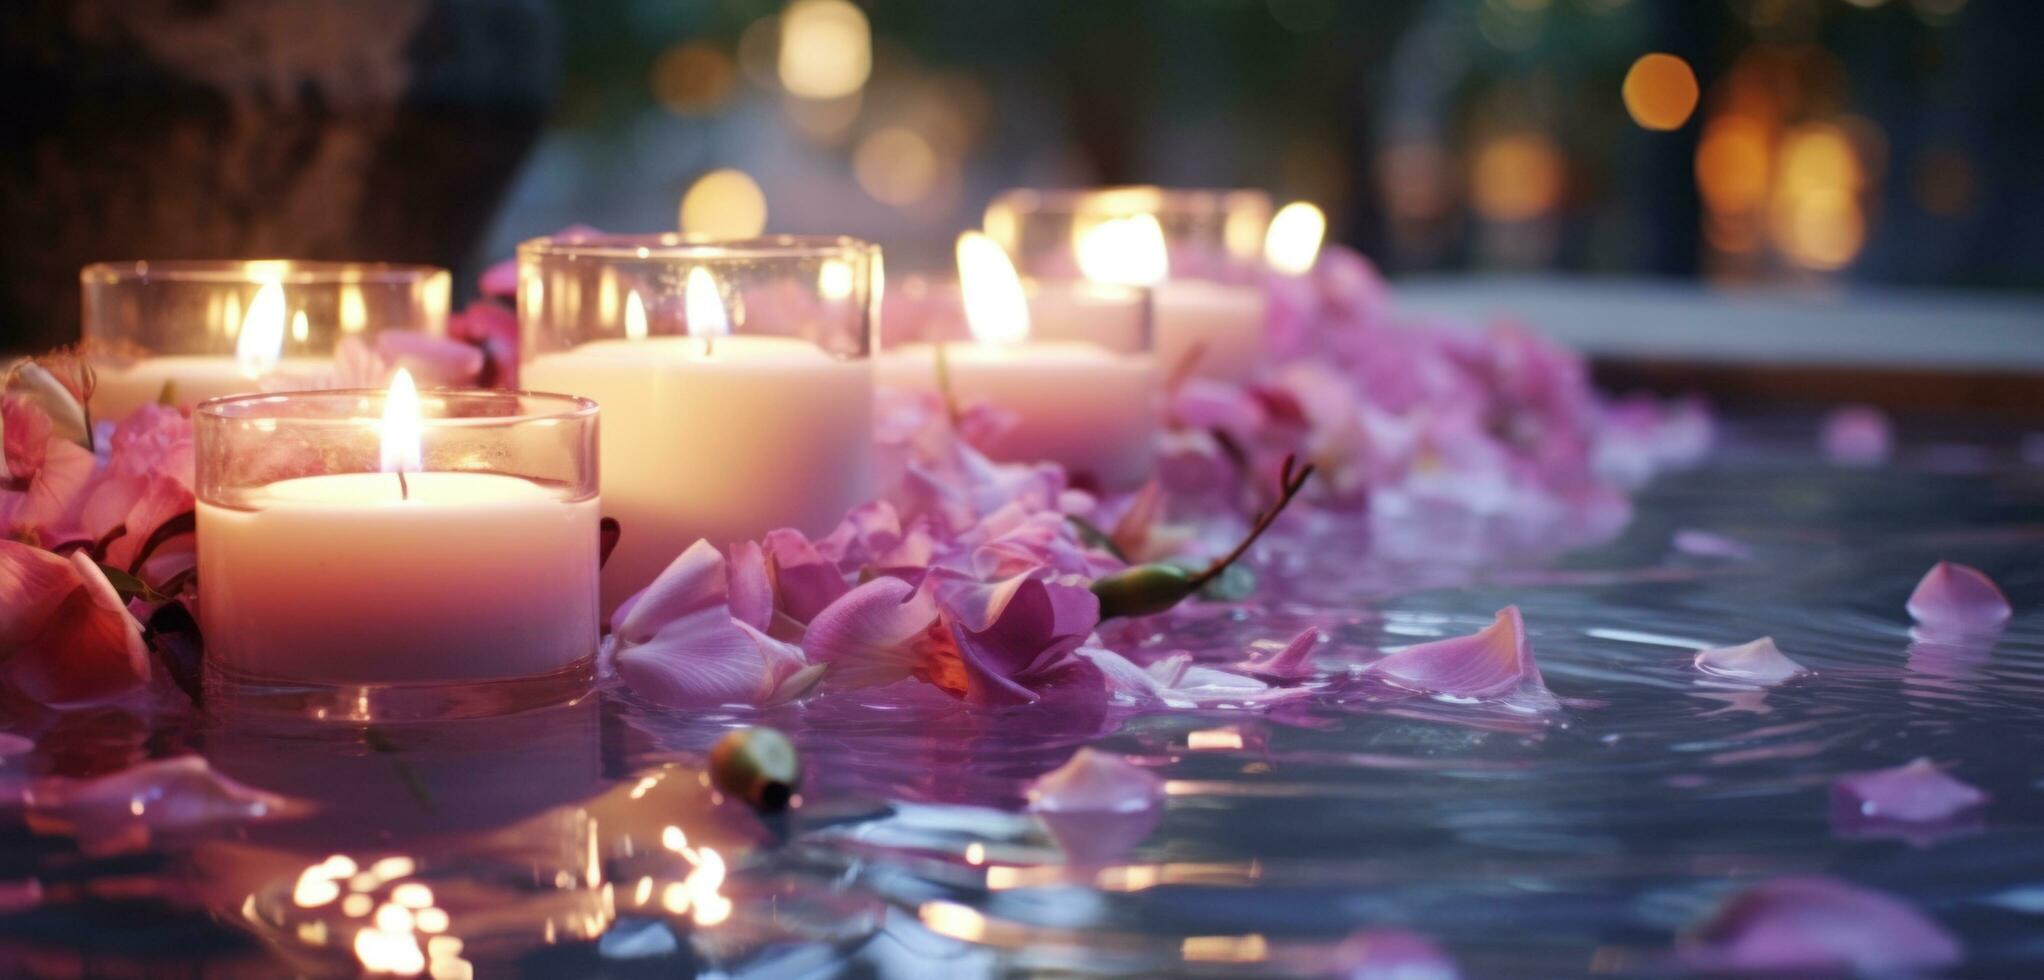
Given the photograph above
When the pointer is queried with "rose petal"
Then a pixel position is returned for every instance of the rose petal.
(1092, 781)
(89, 649)
(1392, 954)
(693, 582)
(1293, 661)
(705, 659)
(1955, 598)
(1809, 924)
(1919, 792)
(1757, 662)
(33, 583)
(125, 811)
(1496, 662)
(866, 636)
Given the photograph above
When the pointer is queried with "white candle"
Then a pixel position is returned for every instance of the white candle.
(716, 437)
(343, 579)
(1214, 328)
(256, 365)
(1080, 404)
(398, 577)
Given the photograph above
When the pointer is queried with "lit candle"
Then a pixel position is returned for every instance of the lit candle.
(257, 364)
(402, 575)
(1213, 328)
(715, 435)
(1078, 403)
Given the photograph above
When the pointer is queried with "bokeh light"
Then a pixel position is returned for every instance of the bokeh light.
(826, 49)
(692, 79)
(1660, 92)
(895, 165)
(1292, 244)
(1518, 176)
(724, 204)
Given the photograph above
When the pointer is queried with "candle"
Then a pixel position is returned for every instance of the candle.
(402, 576)
(1074, 402)
(1211, 329)
(714, 435)
(257, 364)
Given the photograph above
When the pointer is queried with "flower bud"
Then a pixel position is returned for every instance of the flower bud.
(1142, 590)
(757, 765)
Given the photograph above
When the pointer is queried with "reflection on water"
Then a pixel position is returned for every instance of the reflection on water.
(585, 840)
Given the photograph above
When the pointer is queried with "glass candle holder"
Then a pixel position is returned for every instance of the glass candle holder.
(1079, 384)
(735, 380)
(194, 330)
(463, 583)
(1200, 249)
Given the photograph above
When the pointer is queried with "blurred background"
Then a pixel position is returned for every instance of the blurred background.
(1818, 146)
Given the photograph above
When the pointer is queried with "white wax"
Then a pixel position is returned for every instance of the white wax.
(122, 390)
(1078, 404)
(758, 434)
(338, 579)
(1224, 321)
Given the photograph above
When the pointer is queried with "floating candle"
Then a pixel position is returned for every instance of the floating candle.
(715, 435)
(1073, 402)
(405, 575)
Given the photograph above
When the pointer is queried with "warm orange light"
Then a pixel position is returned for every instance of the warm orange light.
(1660, 91)
(996, 309)
(261, 343)
(1127, 251)
(1517, 177)
(635, 316)
(1292, 243)
(724, 203)
(826, 49)
(692, 78)
(896, 165)
(704, 305)
(1732, 163)
(402, 428)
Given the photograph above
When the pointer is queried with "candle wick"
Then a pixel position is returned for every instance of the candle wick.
(941, 354)
(404, 490)
(709, 344)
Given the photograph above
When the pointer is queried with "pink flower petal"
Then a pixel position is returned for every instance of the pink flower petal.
(88, 649)
(1707, 545)
(33, 583)
(867, 636)
(706, 659)
(1954, 598)
(126, 811)
(1092, 781)
(435, 362)
(693, 582)
(748, 586)
(1857, 435)
(1758, 662)
(1494, 663)
(24, 437)
(1392, 954)
(1292, 662)
(161, 499)
(1812, 924)
(804, 580)
(1919, 792)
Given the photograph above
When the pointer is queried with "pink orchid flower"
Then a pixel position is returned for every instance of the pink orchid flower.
(697, 635)
(69, 637)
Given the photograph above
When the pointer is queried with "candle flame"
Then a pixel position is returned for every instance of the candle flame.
(1292, 243)
(402, 426)
(1127, 251)
(635, 316)
(261, 344)
(995, 307)
(704, 305)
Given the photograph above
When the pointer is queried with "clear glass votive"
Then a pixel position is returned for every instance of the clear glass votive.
(465, 585)
(207, 329)
(1201, 250)
(735, 380)
(1079, 385)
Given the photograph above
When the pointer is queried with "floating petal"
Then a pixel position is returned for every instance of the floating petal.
(1954, 598)
(1857, 435)
(707, 658)
(1818, 924)
(867, 637)
(1292, 662)
(1919, 792)
(1759, 662)
(1496, 662)
(1092, 781)
(127, 810)
(1392, 954)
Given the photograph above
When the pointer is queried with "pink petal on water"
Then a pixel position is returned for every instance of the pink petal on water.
(804, 580)
(1392, 954)
(1494, 663)
(691, 583)
(1092, 781)
(1857, 435)
(1707, 545)
(1814, 923)
(1958, 599)
(1759, 662)
(1005, 630)
(1919, 792)
(127, 810)
(707, 658)
(868, 636)
(1292, 662)
(748, 585)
